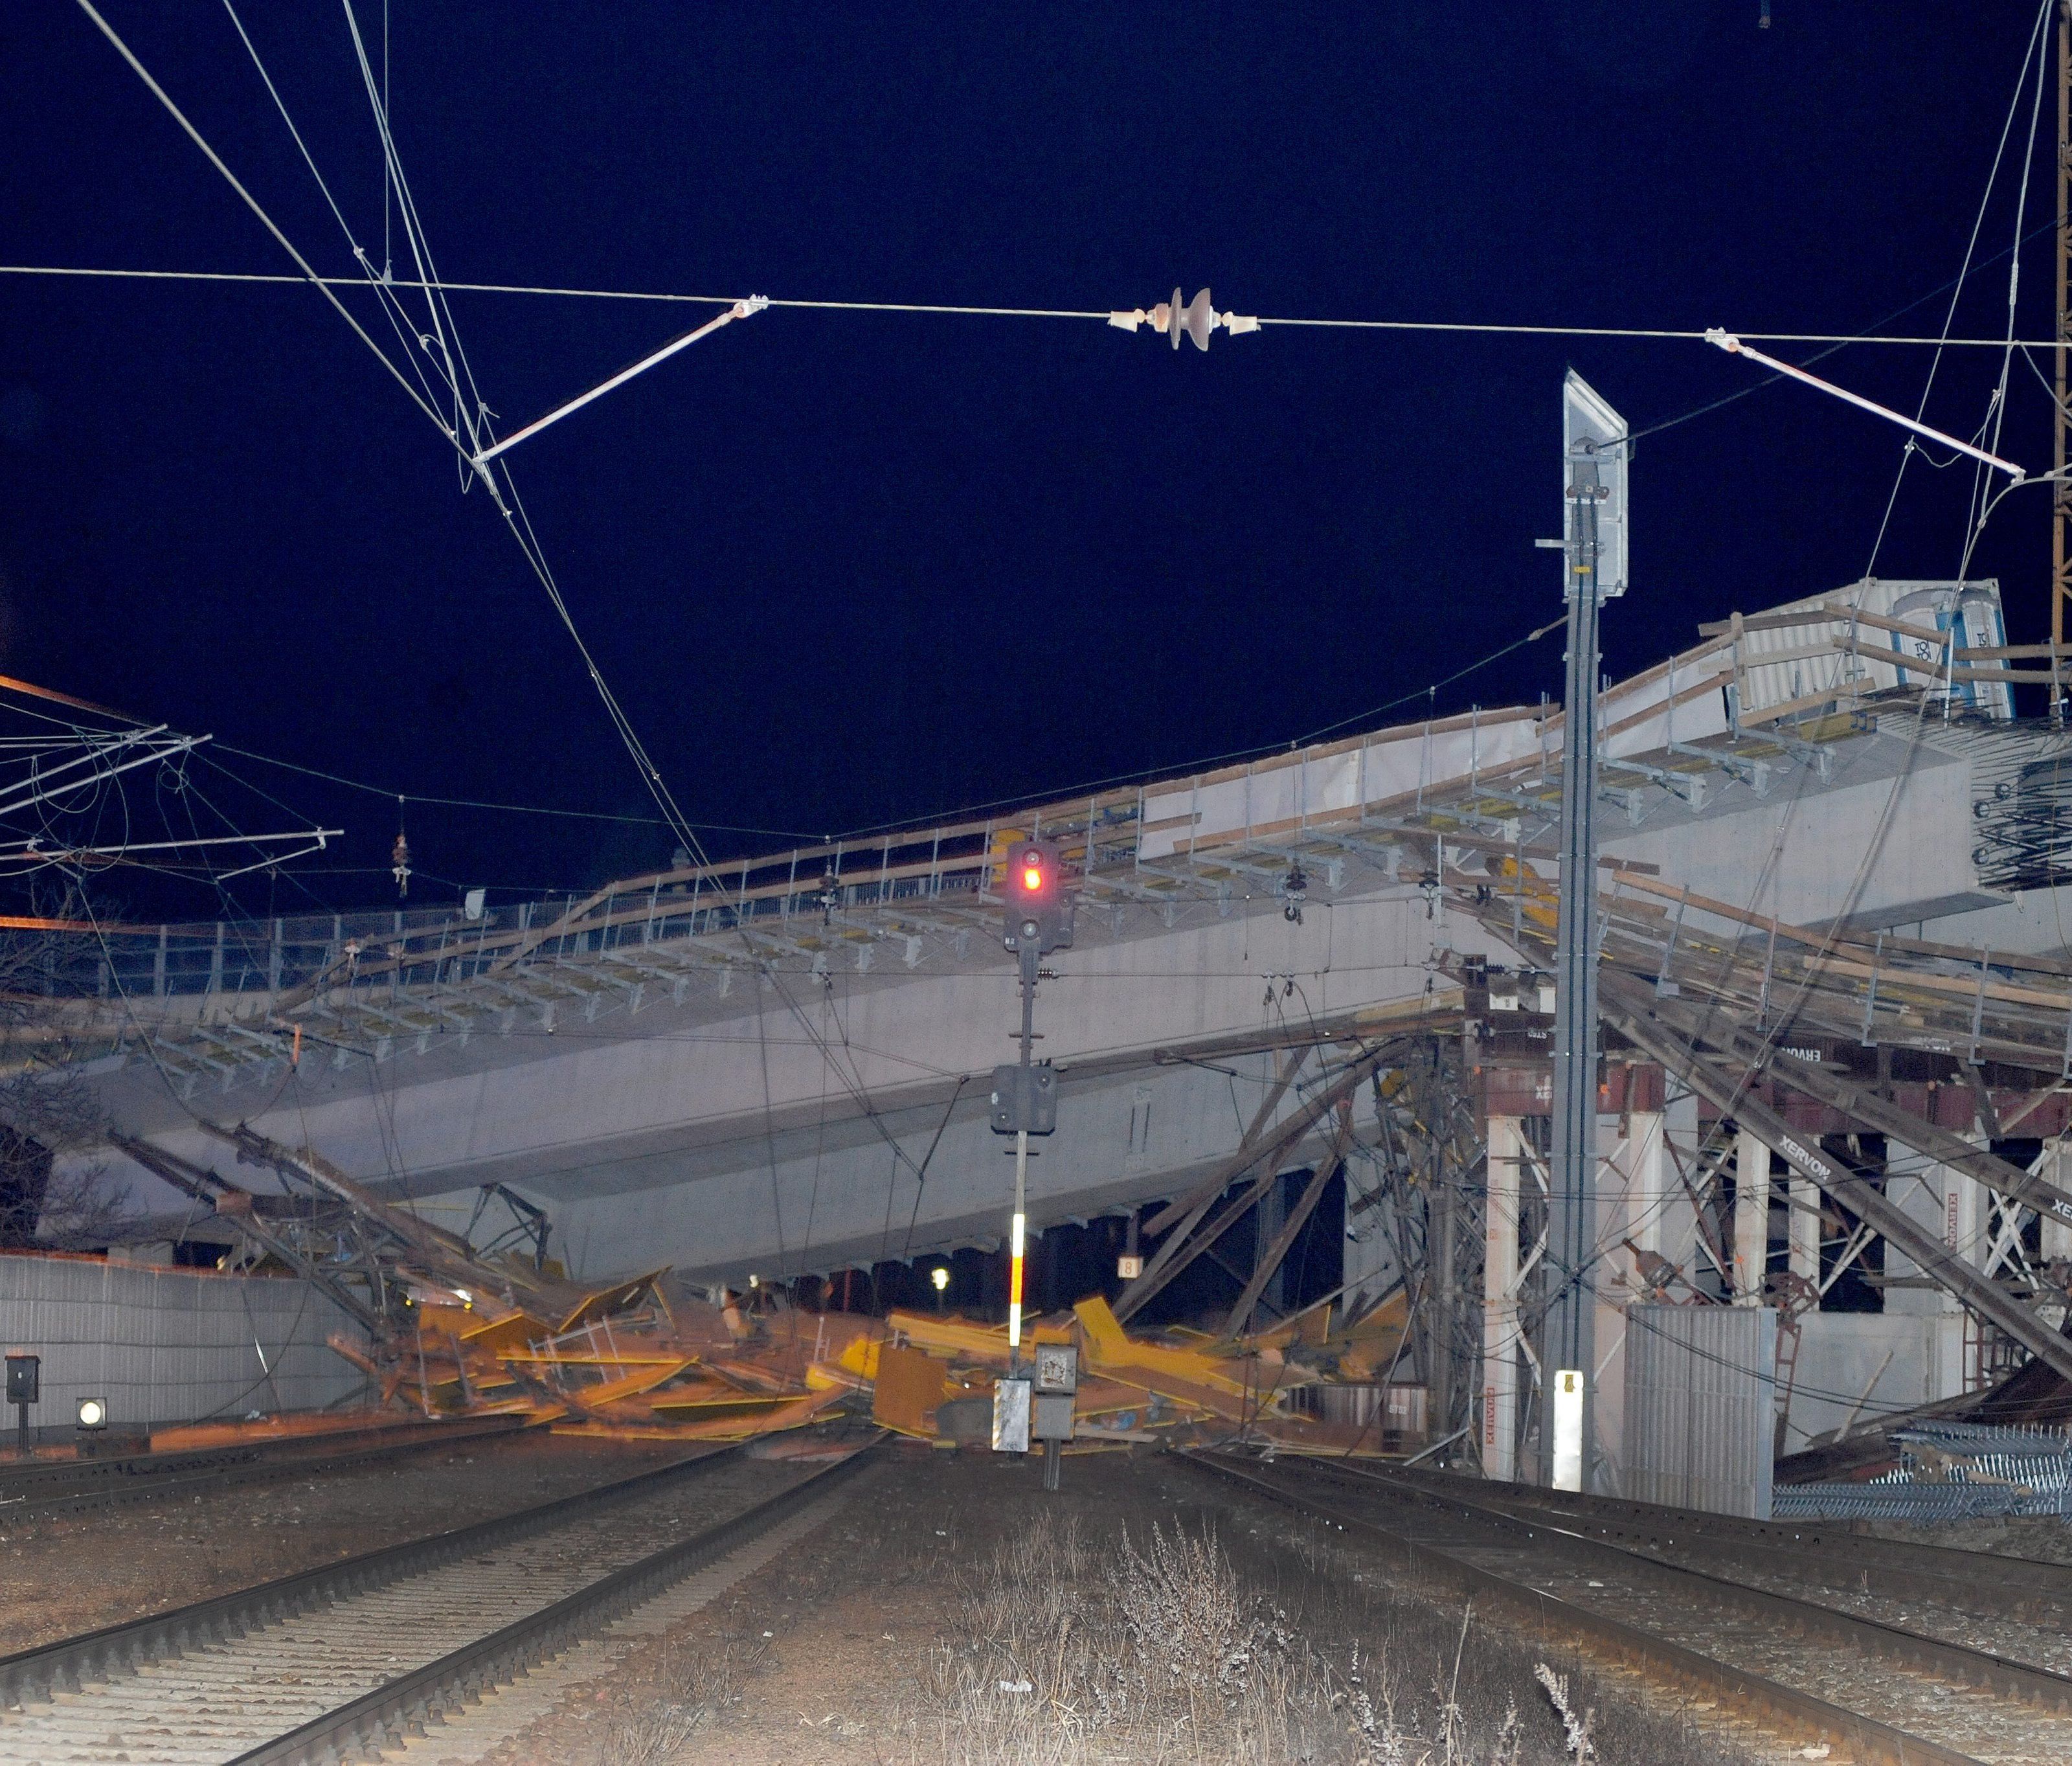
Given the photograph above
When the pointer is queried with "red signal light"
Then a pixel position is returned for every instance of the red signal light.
(1038, 913)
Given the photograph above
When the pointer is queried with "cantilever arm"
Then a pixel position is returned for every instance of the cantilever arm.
(1733, 345)
(740, 309)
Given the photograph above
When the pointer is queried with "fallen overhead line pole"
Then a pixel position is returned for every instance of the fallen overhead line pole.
(1193, 1238)
(1249, 1151)
(235, 1207)
(1271, 1258)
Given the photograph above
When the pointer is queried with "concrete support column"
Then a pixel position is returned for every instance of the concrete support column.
(1751, 1254)
(1498, 1422)
(1631, 1190)
(1802, 1231)
(1651, 1187)
(1955, 1208)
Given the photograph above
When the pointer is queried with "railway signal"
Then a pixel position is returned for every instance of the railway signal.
(1036, 912)
(1036, 918)
(24, 1389)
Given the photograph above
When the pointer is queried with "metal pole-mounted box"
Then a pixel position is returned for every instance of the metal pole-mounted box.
(24, 1378)
(1025, 1098)
(1057, 1385)
(1010, 1415)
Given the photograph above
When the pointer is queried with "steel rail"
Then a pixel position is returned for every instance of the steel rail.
(384, 1717)
(1796, 1712)
(2014, 1588)
(2041, 1687)
(39, 1674)
(70, 1486)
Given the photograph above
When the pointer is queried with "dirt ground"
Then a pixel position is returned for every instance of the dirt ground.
(2047, 1538)
(951, 1611)
(67, 1574)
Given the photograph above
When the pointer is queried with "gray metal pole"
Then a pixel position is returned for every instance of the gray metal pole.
(1568, 1338)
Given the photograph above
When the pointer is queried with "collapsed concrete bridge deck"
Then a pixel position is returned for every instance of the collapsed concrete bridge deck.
(1816, 843)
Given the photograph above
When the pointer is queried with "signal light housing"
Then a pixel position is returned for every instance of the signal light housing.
(1037, 912)
(1025, 1098)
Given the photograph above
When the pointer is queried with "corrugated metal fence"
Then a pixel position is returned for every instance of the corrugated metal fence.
(1701, 1406)
(170, 1345)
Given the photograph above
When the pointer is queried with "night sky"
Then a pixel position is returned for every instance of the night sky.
(843, 569)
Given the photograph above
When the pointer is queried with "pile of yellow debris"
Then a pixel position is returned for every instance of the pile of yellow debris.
(625, 1361)
(632, 1362)
(642, 1359)
(1304, 1387)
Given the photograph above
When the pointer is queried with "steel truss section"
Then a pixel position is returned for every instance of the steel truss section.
(1432, 1183)
(1641, 1023)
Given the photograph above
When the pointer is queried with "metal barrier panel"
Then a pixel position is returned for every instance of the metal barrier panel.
(1701, 1406)
(163, 1346)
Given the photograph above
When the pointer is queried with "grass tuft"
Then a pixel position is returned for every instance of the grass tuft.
(1158, 1649)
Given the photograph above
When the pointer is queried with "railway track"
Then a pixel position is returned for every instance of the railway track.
(29, 1491)
(1793, 1660)
(2025, 1601)
(329, 1665)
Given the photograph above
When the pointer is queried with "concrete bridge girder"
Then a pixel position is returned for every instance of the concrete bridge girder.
(683, 1107)
(927, 1179)
(584, 1113)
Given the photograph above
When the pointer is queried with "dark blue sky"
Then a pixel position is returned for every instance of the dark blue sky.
(844, 568)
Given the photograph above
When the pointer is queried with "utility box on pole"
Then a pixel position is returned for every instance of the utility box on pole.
(24, 1375)
(1057, 1388)
(1024, 1099)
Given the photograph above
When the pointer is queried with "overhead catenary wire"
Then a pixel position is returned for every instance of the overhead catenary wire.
(1963, 269)
(472, 416)
(462, 434)
(470, 413)
(504, 809)
(436, 289)
(323, 285)
(391, 306)
(1981, 499)
(1469, 327)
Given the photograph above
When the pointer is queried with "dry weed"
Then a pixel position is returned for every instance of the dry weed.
(653, 1737)
(1158, 1652)
(1577, 1728)
(702, 1684)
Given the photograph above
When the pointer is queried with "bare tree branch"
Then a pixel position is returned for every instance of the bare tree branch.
(51, 1194)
